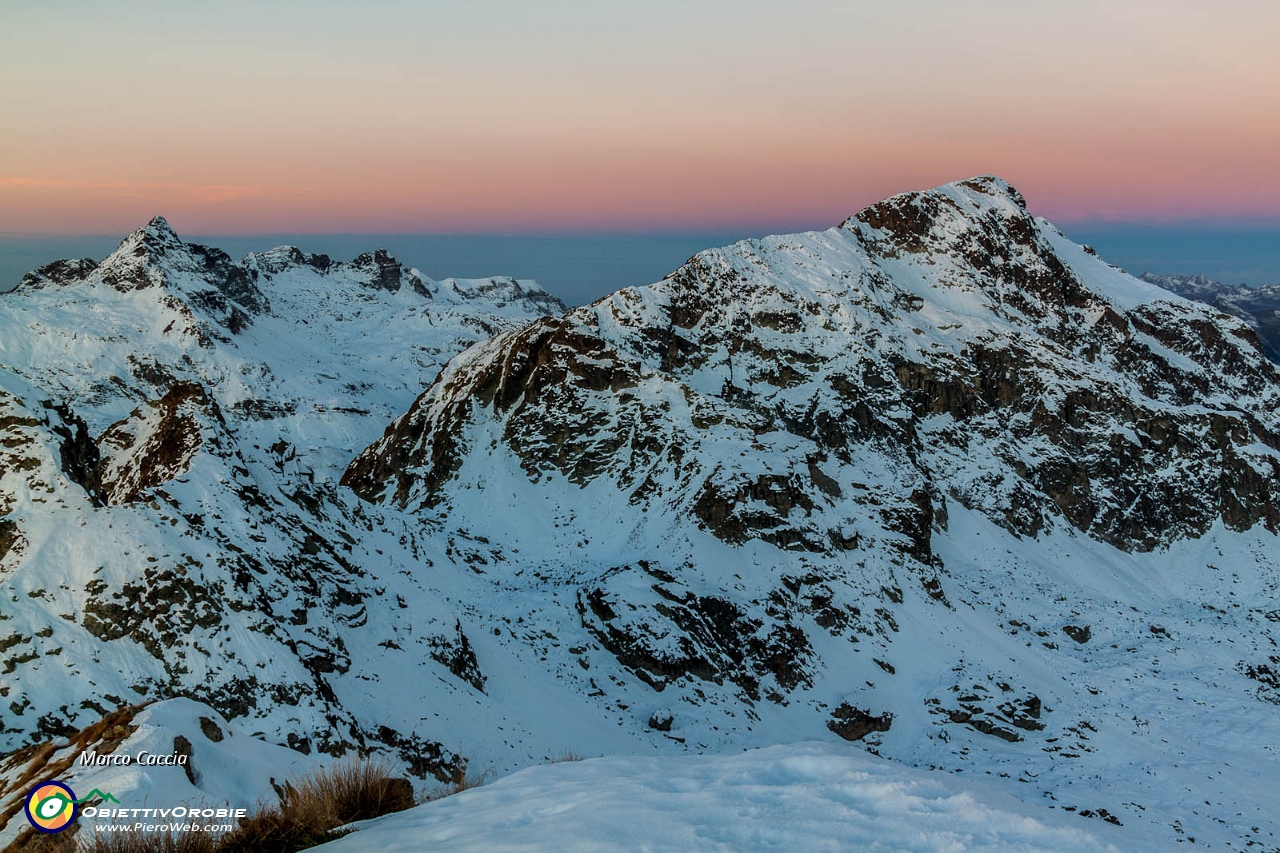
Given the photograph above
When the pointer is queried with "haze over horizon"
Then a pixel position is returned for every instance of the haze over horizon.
(280, 117)
(583, 267)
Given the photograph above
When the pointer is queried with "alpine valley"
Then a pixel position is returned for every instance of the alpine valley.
(936, 484)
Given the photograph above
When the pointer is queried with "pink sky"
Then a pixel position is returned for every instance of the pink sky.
(391, 117)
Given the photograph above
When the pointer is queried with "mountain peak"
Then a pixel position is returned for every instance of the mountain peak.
(911, 216)
(990, 185)
(954, 301)
(384, 270)
(159, 224)
(157, 234)
(136, 262)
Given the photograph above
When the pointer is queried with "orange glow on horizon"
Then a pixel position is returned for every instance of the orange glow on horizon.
(701, 116)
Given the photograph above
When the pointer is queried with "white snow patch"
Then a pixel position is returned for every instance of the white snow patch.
(810, 797)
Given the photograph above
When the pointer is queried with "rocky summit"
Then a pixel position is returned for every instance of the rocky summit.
(936, 483)
(937, 348)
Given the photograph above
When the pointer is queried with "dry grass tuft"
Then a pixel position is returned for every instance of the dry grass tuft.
(105, 736)
(274, 831)
(353, 791)
(30, 841)
(313, 808)
(566, 755)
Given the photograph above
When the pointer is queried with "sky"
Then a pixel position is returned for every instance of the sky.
(508, 117)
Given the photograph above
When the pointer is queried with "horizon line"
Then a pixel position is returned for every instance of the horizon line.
(1214, 223)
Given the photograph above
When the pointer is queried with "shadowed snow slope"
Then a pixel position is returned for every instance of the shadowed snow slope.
(811, 797)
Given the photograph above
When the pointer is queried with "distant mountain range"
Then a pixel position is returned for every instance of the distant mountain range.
(937, 483)
(1257, 306)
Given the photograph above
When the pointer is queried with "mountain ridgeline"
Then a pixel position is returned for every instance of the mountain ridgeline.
(937, 482)
(1257, 306)
(948, 339)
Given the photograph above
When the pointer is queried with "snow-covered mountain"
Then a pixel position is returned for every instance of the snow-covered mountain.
(936, 481)
(172, 428)
(1257, 306)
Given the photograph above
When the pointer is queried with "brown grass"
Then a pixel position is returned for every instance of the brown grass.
(108, 733)
(30, 841)
(355, 791)
(311, 811)
(274, 831)
(313, 808)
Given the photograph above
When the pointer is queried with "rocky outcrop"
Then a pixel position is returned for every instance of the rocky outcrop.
(154, 444)
(383, 271)
(67, 271)
(930, 328)
(853, 723)
(9, 536)
(156, 612)
(669, 635)
(1257, 306)
(456, 654)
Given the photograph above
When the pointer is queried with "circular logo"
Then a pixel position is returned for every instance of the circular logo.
(51, 807)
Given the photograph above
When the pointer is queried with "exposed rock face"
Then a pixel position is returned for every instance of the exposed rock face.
(1257, 306)
(172, 426)
(77, 451)
(456, 653)
(854, 724)
(715, 640)
(9, 537)
(948, 334)
(155, 443)
(384, 271)
(995, 713)
(874, 482)
(1079, 633)
(59, 272)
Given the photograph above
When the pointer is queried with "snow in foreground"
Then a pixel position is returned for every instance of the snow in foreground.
(808, 797)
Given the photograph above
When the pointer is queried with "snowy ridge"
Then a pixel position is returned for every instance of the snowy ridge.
(953, 303)
(1257, 306)
(823, 484)
(223, 767)
(172, 426)
(817, 797)
(936, 482)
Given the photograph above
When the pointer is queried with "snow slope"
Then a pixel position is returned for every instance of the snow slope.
(937, 480)
(936, 483)
(172, 426)
(810, 796)
(1257, 306)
